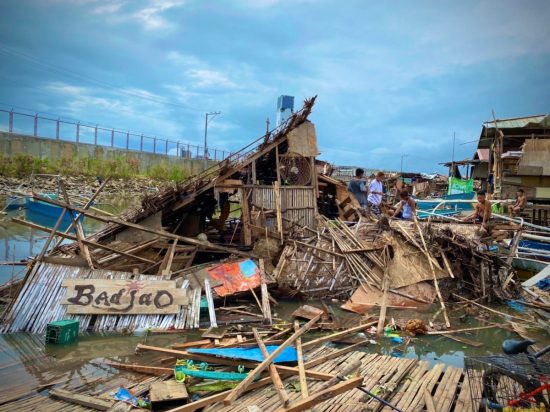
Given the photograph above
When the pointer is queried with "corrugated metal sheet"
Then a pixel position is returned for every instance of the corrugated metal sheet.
(39, 303)
(535, 121)
(298, 204)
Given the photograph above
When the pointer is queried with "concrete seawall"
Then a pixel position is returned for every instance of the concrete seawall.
(13, 144)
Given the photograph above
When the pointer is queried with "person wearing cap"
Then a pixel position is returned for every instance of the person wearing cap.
(406, 208)
(376, 191)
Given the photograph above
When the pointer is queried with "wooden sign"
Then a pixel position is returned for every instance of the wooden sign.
(122, 297)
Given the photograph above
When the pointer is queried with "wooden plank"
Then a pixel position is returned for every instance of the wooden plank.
(239, 389)
(165, 267)
(167, 391)
(162, 233)
(210, 300)
(193, 344)
(86, 206)
(83, 400)
(277, 382)
(79, 231)
(460, 339)
(119, 297)
(145, 369)
(88, 242)
(337, 335)
(323, 395)
(430, 407)
(301, 369)
(245, 217)
(210, 400)
(266, 306)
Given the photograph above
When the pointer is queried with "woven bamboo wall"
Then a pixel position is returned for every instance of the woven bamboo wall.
(298, 204)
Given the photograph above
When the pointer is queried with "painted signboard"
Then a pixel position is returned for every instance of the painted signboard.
(122, 297)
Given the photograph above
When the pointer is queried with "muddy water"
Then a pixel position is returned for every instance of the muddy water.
(18, 242)
(27, 363)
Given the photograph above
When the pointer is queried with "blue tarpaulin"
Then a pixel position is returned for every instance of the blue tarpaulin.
(252, 354)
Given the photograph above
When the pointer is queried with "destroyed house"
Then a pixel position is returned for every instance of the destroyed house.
(514, 153)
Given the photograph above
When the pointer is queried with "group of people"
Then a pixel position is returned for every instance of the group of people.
(370, 195)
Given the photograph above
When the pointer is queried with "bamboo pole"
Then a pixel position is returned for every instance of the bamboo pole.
(436, 283)
(302, 375)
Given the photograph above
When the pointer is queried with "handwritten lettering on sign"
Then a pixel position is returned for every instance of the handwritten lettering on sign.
(122, 297)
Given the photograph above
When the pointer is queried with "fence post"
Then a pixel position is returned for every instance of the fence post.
(166, 148)
(215, 154)
(95, 135)
(141, 143)
(127, 139)
(155, 144)
(198, 152)
(113, 138)
(178, 154)
(57, 129)
(188, 154)
(36, 125)
(10, 127)
(78, 132)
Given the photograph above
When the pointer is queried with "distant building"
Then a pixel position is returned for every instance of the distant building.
(514, 153)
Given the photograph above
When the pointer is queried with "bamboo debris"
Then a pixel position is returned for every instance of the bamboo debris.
(436, 283)
(277, 382)
(241, 387)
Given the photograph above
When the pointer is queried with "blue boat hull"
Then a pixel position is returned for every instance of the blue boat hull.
(47, 214)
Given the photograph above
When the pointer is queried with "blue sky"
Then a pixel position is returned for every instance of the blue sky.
(393, 78)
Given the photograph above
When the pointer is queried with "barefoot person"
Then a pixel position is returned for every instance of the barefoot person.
(376, 191)
(406, 208)
(482, 211)
(521, 202)
(358, 187)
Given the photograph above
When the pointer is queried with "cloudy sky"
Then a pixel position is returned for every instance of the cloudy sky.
(392, 78)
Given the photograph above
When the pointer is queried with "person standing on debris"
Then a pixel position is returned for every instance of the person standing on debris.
(482, 211)
(406, 208)
(358, 187)
(376, 191)
(521, 202)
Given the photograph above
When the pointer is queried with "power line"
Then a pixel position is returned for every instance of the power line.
(87, 79)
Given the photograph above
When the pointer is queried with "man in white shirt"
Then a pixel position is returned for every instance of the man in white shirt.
(376, 191)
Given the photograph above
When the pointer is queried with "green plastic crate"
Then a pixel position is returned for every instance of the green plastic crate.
(61, 332)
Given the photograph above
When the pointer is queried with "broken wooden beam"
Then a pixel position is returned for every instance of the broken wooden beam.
(237, 391)
(277, 382)
(337, 335)
(83, 400)
(161, 233)
(88, 242)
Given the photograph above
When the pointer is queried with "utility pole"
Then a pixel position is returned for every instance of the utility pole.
(213, 114)
(402, 156)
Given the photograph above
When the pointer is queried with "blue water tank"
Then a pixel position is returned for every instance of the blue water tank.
(285, 102)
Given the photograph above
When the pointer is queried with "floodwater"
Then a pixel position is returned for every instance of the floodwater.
(18, 242)
(26, 363)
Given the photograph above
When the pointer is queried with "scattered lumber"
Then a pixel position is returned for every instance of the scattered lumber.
(235, 393)
(83, 400)
(323, 395)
